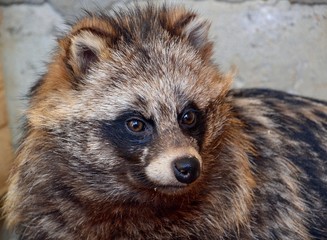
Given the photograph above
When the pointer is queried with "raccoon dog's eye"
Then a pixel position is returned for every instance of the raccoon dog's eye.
(188, 119)
(135, 125)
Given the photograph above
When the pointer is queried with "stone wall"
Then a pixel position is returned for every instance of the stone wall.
(5, 141)
(278, 44)
(6, 155)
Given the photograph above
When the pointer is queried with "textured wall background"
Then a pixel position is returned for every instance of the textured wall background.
(5, 146)
(279, 44)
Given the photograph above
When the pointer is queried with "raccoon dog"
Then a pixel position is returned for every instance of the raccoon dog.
(133, 133)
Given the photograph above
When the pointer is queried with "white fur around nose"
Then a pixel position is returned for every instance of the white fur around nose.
(160, 170)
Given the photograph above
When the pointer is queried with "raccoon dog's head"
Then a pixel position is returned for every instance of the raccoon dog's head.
(126, 103)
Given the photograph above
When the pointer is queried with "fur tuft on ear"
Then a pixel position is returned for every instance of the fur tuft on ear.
(86, 49)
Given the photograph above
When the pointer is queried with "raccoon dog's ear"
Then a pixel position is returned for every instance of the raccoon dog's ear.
(86, 48)
(82, 49)
(197, 30)
(191, 27)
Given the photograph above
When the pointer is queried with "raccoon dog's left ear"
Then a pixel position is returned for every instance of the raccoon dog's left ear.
(191, 27)
(197, 31)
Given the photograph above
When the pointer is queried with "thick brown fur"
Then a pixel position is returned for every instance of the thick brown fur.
(79, 173)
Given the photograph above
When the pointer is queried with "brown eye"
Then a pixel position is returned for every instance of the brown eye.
(135, 125)
(188, 119)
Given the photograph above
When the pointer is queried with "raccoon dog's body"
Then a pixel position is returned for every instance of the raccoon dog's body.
(134, 134)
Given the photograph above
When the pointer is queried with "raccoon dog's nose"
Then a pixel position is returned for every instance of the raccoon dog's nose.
(186, 169)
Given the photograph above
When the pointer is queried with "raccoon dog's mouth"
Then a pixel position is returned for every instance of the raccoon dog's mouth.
(158, 188)
(168, 187)
(171, 189)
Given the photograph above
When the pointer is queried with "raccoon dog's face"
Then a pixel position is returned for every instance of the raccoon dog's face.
(130, 109)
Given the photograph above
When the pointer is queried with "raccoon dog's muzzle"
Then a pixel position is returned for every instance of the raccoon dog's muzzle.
(175, 167)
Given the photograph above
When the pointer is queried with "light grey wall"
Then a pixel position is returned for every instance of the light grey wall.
(274, 43)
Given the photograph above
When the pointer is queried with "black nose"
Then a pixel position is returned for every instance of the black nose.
(186, 169)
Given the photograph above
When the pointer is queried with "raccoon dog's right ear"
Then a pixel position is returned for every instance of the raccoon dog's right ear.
(85, 48)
